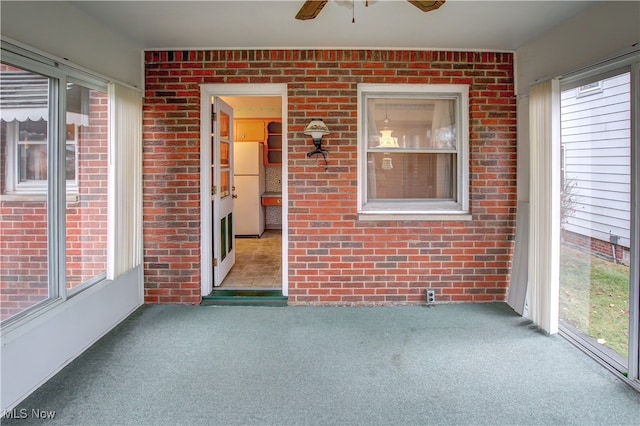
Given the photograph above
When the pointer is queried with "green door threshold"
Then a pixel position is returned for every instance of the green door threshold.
(244, 297)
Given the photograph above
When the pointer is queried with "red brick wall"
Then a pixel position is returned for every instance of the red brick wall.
(23, 255)
(333, 257)
(87, 217)
(600, 248)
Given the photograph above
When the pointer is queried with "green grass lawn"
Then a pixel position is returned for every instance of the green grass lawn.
(594, 297)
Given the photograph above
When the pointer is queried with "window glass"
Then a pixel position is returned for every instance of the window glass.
(86, 159)
(24, 105)
(31, 235)
(32, 151)
(595, 215)
(414, 149)
(411, 176)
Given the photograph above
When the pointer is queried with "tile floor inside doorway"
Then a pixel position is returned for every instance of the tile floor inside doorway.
(258, 262)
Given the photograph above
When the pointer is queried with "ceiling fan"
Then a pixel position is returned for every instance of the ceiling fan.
(310, 9)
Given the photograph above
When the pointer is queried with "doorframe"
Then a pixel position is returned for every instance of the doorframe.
(207, 93)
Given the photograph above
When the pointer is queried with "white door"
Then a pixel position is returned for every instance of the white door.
(222, 190)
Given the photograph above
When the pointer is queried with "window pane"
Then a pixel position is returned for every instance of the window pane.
(32, 162)
(224, 155)
(23, 223)
(411, 176)
(225, 186)
(411, 123)
(32, 149)
(595, 249)
(86, 153)
(225, 123)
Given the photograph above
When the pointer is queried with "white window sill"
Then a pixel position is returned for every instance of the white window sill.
(36, 198)
(405, 210)
(424, 217)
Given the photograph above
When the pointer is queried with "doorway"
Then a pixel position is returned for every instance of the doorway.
(258, 251)
(260, 254)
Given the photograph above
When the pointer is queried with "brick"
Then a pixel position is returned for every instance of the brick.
(374, 263)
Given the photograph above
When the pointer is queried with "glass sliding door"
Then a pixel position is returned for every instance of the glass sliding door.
(596, 222)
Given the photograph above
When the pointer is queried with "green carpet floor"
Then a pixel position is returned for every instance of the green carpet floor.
(476, 364)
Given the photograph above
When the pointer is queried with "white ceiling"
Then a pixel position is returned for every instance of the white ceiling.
(393, 24)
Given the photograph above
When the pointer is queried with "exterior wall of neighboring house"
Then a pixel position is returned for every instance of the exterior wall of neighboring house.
(596, 135)
(333, 257)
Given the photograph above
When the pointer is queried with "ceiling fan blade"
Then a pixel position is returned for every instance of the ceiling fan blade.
(426, 6)
(310, 9)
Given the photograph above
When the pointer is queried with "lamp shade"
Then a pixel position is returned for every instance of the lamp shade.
(316, 129)
(386, 140)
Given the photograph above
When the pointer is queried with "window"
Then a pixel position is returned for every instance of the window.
(54, 180)
(589, 89)
(25, 118)
(413, 151)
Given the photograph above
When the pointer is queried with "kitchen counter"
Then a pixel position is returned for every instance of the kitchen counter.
(271, 198)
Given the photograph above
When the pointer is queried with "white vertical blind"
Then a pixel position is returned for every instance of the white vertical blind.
(544, 197)
(125, 180)
(519, 272)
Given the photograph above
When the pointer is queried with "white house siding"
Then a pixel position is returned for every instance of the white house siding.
(596, 134)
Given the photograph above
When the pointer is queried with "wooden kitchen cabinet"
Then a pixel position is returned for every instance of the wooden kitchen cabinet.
(265, 130)
(273, 145)
(249, 130)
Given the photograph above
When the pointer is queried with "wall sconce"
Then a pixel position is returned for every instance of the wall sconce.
(316, 129)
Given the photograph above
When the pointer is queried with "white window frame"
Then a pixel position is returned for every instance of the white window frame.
(57, 190)
(430, 209)
(32, 187)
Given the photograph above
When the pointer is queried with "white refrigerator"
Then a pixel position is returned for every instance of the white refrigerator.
(249, 182)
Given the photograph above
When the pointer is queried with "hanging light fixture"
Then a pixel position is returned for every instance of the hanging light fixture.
(386, 162)
(386, 140)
